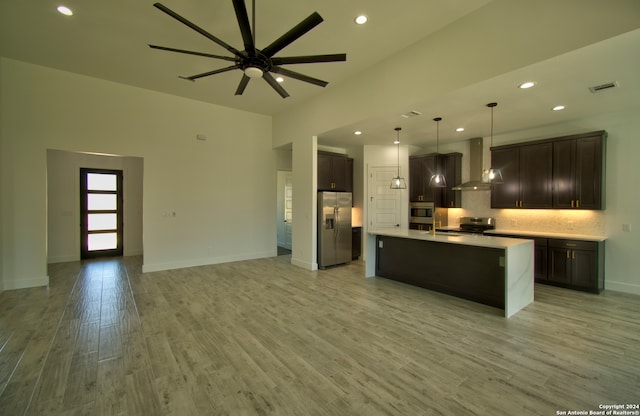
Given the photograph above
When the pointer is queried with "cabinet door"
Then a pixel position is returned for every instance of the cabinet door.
(564, 174)
(339, 173)
(452, 165)
(589, 173)
(536, 176)
(416, 179)
(430, 168)
(585, 268)
(349, 176)
(559, 264)
(540, 259)
(325, 172)
(507, 194)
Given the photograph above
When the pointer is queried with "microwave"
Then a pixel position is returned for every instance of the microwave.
(421, 212)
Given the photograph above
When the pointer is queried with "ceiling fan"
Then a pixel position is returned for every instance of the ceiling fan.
(254, 62)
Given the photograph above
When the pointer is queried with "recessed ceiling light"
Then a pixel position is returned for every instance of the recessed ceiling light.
(357, 132)
(279, 79)
(65, 10)
(558, 108)
(362, 19)
(526, 85)
(460, 129)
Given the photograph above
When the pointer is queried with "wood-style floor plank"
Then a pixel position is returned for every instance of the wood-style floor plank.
(263, 337)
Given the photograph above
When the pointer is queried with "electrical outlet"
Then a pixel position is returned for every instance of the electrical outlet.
(570, 225)
(626, 228)
(514, 222)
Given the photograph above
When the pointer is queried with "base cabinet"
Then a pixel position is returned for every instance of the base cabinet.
(574, 264)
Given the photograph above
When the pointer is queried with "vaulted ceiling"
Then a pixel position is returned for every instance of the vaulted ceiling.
(109, 40)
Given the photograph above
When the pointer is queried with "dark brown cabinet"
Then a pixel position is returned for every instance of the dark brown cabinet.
(421, 168)
(452, 169)
(576, 264)
(334, 173)
(527, 171)
(356, 242)
(573, 264)
(565, 173)
(578, 164)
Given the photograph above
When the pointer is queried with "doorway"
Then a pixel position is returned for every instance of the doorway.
(285, 212)
(101, 213)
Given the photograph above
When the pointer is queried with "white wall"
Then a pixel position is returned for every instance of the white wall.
(222, 190)
(63, 201)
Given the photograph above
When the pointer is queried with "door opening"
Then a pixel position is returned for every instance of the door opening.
(101, 223)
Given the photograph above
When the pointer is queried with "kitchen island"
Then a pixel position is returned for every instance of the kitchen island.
(497, 271)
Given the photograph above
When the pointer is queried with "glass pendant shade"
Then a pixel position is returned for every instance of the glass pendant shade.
(398, 182)
(492, 175)
(437, 180)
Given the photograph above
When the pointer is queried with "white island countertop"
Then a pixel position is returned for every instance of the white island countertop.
(453, 238)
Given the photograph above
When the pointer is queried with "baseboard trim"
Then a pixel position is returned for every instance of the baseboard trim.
(183, 264)
(63, 259)
(304, 264)
(622, 287)
(25, 283)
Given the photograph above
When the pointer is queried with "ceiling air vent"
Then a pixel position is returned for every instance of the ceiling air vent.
(411, 113)
(603, 87)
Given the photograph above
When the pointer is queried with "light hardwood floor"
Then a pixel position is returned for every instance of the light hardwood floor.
(263, 337)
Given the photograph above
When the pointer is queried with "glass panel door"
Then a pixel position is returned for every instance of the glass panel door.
(101, 212)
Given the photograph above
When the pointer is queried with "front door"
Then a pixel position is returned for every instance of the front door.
(101, 225)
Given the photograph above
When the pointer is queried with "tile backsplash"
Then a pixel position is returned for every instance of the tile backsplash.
(478, 204)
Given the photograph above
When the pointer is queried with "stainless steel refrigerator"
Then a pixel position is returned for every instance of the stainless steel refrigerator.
(334, 228)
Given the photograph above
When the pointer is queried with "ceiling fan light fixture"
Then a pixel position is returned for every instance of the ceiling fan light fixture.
(253, 72)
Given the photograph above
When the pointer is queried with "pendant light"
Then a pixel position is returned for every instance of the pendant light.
(492, 175)
(437, 180)
(398, 182)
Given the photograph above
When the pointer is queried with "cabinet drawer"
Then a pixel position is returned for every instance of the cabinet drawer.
(573, 244)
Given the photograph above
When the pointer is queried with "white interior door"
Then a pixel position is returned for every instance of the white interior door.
(384, 203)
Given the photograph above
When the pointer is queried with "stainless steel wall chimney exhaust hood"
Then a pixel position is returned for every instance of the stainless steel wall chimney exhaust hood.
(476, 182)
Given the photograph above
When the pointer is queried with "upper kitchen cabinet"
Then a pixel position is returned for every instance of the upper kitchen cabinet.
(564, 173)
(527, 172)
(421, 168)
(578, 164)
(335, 172)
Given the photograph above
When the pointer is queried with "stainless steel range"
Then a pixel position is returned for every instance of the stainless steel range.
(473, 225)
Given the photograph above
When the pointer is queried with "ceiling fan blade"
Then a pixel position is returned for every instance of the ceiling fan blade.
(215, 71)
(290, 60)
(275, 85)
(198, 29)
(208, 55)
(299, 76)
(300, 29)
(243, 84)
(245, 27)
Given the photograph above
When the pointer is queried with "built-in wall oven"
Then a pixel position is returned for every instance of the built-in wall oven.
(421, 215)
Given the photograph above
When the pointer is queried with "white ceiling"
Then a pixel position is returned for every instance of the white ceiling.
(108, 40)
